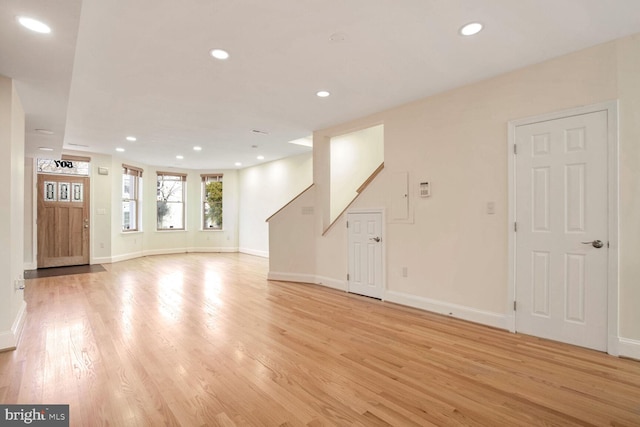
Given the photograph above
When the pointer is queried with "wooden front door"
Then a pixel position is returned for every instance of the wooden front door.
(63, 220)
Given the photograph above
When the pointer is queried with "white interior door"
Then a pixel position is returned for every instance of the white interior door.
(365, 254)
(561, 239)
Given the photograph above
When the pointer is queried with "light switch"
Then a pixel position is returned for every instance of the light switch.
(491, 208)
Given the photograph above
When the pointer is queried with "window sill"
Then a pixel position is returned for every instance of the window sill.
(212, 229)
(172, 230)
(125, 233)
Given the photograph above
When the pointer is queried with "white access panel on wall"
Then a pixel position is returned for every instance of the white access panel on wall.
(399, 196)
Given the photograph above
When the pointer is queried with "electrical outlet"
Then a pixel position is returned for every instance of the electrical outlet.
(405, 272)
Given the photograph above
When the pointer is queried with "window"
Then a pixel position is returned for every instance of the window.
(170, 200)
(212, 202)
(131, 182)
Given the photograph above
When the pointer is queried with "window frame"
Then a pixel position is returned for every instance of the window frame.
(207, 178)
(133, 196)
(183, 180)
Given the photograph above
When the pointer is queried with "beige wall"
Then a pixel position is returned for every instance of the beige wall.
(30, 262)
(292, 230)
(12, 128)
(149, 241)
(628, 57)
(354, 157)
(263, 190)
(455, 253)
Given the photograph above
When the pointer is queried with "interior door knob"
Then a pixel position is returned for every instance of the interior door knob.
(377, 239)
(596, 244)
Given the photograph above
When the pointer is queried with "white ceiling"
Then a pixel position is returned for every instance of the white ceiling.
(113, 68)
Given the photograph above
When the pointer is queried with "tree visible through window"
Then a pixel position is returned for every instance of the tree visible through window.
(170, 201)
(212, 202)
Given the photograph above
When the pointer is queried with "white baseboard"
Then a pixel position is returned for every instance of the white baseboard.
(101, 260)
(470, 314)
(30, 266)
(126, 257)
(263, 254)
(629, 348)
(172, 251)
(212, 250)
(291, 277)
(308, 278)
(340, 285)
(9, 339)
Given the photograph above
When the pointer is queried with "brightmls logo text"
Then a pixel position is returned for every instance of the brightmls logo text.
(38, 415)
(27, 417)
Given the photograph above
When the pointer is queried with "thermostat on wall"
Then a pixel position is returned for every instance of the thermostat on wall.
(425, 189)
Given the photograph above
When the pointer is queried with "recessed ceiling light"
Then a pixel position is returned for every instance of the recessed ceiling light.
(471, 29)
(120, 150)
(260, 157)
(238, 164)
(132, 138)
(219, 53)
(322, 93)
(34, 25)
(45, 131)
(179, 157)
(46, 148)
(197, 148)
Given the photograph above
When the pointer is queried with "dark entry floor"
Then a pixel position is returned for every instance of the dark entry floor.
(63, 271)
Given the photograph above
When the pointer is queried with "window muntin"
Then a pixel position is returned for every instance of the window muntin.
(171, 201)
(131, 183)
(212, 202)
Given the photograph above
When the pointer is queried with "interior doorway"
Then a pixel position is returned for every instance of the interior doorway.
(365, 276)
(564, 225)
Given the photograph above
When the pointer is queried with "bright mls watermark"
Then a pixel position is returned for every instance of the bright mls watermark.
(38, 415)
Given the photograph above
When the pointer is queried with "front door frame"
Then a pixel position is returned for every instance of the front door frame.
(611, 107)
(383, 246)
(86, 224)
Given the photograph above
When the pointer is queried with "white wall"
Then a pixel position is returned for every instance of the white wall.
(264, 189)
(101, 206)
(455, 253)
(12, 127)
(354, 157)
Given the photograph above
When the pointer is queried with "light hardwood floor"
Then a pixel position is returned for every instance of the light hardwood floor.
(205, 339)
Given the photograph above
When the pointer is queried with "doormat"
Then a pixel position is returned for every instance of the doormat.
(63, 271)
